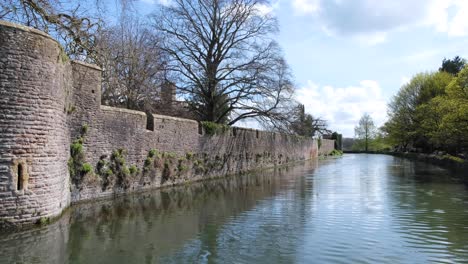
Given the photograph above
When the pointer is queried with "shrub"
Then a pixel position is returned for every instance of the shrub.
(87, 168)
(152, 153)
(212, 128)
(133, 170)
(120, 169)
(336, 153)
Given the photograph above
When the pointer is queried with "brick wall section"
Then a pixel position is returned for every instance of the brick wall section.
(34, 84)
(46, 100)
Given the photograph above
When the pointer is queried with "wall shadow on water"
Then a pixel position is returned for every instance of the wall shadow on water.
(143, 228)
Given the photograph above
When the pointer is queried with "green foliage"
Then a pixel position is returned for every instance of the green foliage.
(43, 221)
(166, 173)
(103, 169)
(87, 168)
(84, 129)
(453, 66)
(63, 56)
(378, 143)
(453, 158)
(189, 155)
(319, 142)
(182, 167)
(119, 168)
(76, 162)
(365, 131)
(212, 128)
(152, 153)
(70, 109)
(199, 167)
(133, 170)
(431, 111)
(170, 155)
(304, 124)
(149, 163)
(338, 140)
(336, 152)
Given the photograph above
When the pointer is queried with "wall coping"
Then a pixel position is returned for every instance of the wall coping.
(24, 28)
(121, 110)
(41, 33)
(175, 118)
(89, 65)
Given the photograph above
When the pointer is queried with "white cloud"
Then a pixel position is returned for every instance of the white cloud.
(268, 9)
(306, 6)
(343, 107)
(449, 16)
(152, 2)
(369, 21)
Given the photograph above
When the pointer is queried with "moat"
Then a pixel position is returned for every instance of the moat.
(358, 208)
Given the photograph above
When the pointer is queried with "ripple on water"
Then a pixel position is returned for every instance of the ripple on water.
(357, 209)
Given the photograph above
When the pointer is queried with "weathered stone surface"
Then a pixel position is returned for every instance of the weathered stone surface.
(46, 101)
(34, 83)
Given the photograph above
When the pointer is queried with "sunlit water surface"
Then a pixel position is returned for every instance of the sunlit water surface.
(356, 209)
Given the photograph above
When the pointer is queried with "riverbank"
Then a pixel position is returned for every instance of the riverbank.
(446, 161)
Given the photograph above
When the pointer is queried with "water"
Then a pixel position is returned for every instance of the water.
(356, 209)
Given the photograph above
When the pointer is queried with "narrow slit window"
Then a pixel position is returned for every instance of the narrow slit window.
(149, 122)
(20, 176)
(200, 128)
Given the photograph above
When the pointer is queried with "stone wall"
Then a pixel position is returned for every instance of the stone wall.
(35, 80)
(326, 147)
(50, 106)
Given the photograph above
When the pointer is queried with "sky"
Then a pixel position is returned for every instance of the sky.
(349, 57)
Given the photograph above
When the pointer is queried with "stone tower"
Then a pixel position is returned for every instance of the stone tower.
(35, 83)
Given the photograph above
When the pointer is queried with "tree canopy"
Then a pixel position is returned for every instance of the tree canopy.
(453, 66)
(431, 111)
(365, 131)
(228, 66)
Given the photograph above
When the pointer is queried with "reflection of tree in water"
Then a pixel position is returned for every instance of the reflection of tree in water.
(431, 207)
(144, 227)
(264, 229)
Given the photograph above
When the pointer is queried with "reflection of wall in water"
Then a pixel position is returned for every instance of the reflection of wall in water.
(165, 219)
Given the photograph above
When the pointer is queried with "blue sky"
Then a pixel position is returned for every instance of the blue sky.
(350, 57)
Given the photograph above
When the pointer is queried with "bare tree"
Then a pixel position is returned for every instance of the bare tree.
(133, 64)
(296, 121)
(66, 20)
(229, 67)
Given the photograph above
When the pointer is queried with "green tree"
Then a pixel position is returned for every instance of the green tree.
(365, 131)
(453, 109)
(409, 123)
(453, 66)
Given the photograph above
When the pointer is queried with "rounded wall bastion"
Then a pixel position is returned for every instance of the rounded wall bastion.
(35, 84)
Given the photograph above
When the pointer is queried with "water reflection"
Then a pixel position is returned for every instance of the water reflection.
(145, 227)
(360, 208)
